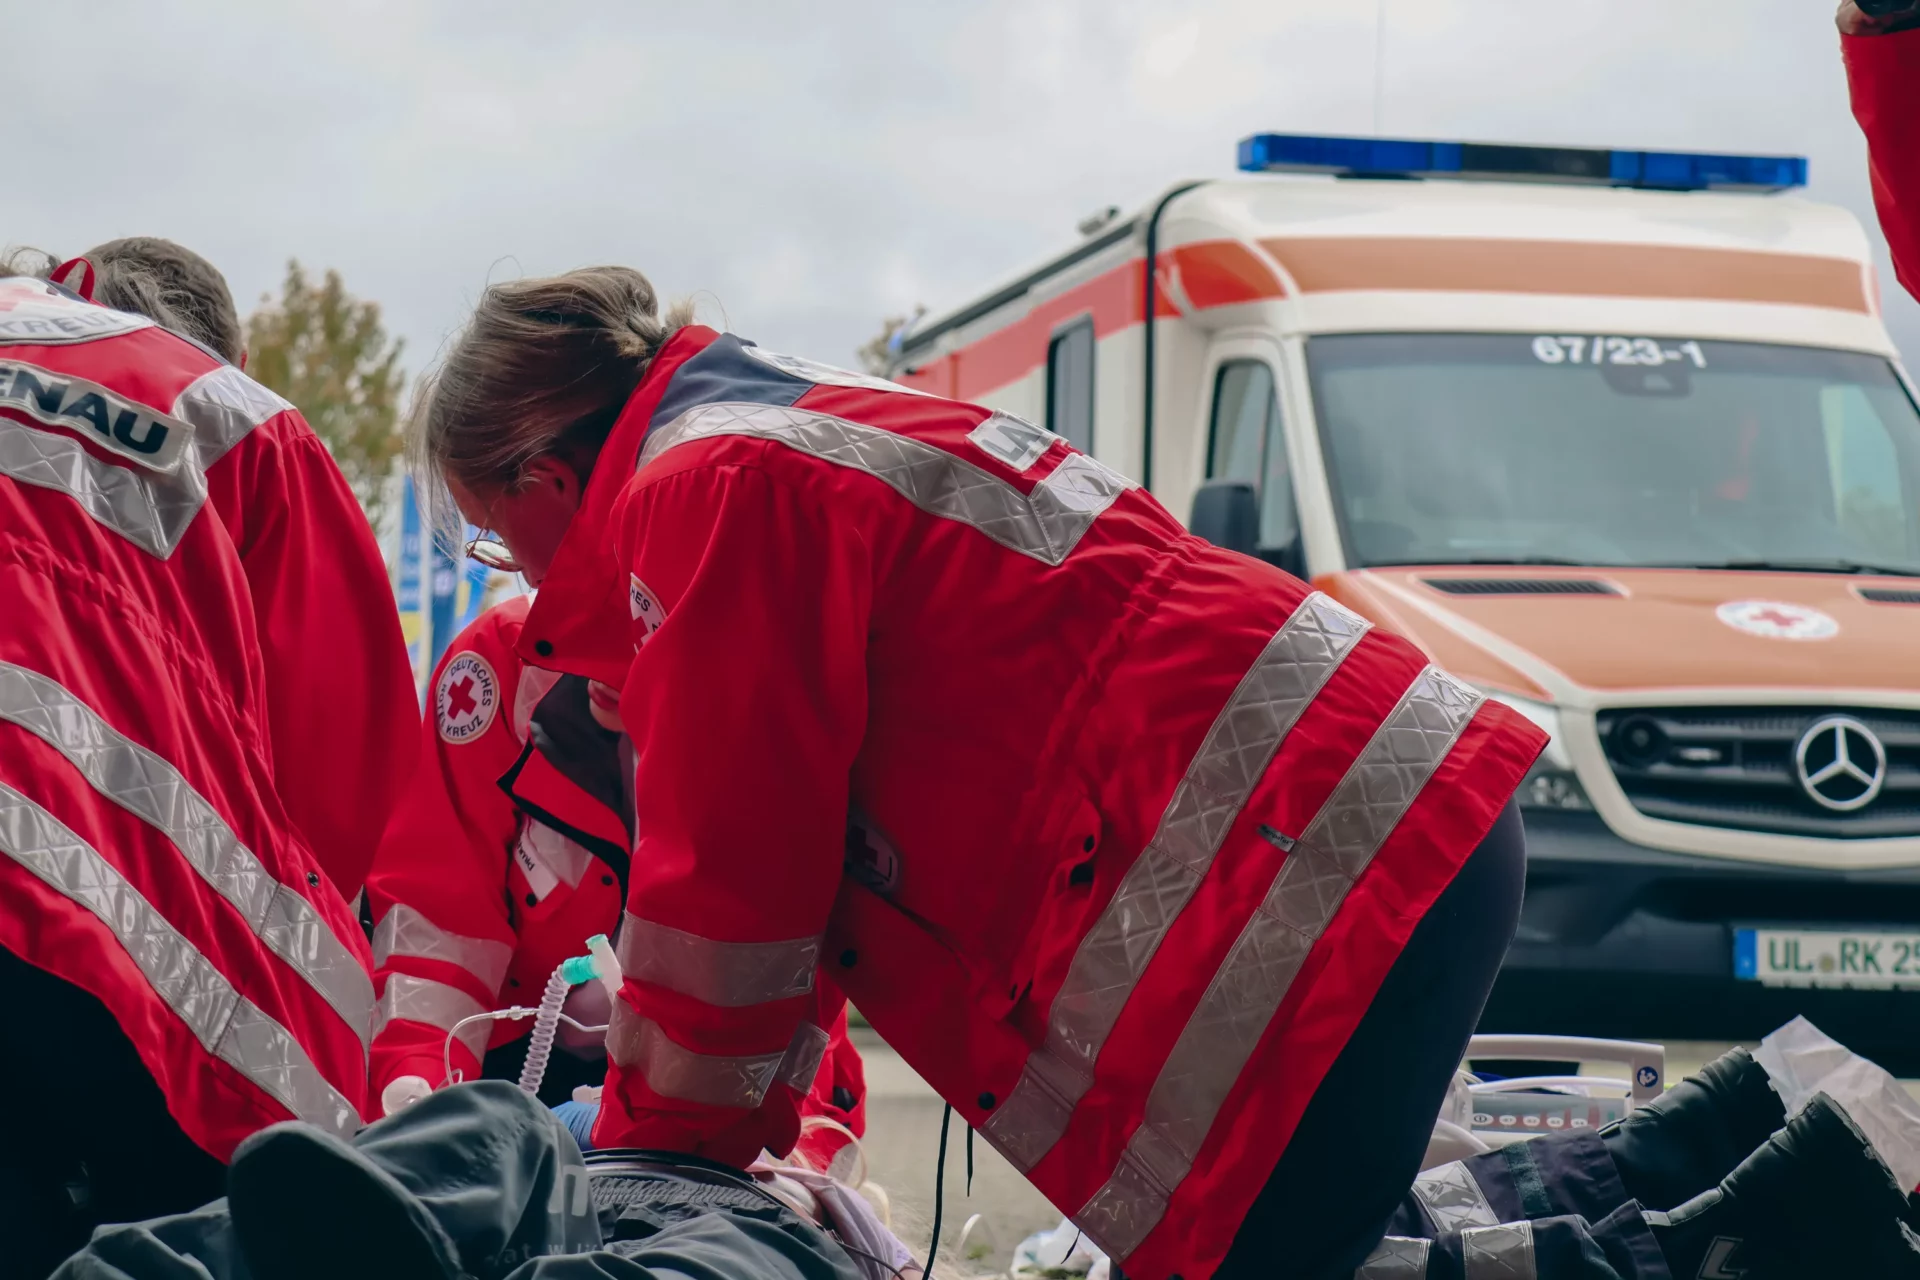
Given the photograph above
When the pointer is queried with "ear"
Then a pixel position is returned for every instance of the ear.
(243, 359)
(551, 477)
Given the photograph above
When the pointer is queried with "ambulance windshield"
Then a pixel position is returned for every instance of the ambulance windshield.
(1617, 450)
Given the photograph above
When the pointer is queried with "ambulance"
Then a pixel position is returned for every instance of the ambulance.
(1618, 436)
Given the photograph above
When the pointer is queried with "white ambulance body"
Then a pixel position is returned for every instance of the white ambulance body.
(1640, 462)
(1250, 267)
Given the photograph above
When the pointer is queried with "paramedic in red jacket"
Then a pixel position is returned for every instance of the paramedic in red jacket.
(318, 586)
(1883, 70)
(179, 972)
(1156, 819)
(509, 852)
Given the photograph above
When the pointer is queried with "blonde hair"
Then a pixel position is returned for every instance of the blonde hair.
(168, 283)
(543, 367)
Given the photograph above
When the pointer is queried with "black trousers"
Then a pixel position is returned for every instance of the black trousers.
(478, 1182)
(88, 1138)
(1361, 1139)
(1552, 1207)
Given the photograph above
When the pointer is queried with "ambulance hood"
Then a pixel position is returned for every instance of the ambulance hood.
(1552, 633)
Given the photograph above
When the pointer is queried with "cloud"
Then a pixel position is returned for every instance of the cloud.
(813, 167)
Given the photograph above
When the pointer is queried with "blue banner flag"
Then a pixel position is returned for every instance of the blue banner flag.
(444, 583)
(473, 592)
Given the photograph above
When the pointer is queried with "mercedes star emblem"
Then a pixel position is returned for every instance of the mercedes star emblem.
(1841, 764)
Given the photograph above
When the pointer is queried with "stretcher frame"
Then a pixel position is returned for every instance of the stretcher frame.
(1646, 1065)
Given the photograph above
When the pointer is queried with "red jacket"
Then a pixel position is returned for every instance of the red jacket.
(340, 693)
(508, 853)
(1884, 74)
(1157, 817)
(146, 852)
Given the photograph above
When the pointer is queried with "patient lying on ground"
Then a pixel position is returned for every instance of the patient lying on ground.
(1794, 1160)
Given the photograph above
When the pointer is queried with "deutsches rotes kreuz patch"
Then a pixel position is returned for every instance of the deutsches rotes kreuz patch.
(646, 607)
(466, 698)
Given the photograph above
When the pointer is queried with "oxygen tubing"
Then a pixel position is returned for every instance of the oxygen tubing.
(546, 1025)
(599, 962)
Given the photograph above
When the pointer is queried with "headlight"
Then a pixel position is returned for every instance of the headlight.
(1551, 783)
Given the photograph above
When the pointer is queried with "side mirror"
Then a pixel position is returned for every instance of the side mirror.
(1227, 514)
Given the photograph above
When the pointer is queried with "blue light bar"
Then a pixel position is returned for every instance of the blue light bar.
(1395, 158)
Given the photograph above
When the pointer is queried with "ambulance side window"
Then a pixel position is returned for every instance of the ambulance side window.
(1247, 444)
(1070, 385)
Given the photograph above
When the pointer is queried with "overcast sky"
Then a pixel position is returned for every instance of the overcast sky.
(806, 168)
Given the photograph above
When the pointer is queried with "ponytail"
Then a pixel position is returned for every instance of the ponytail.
(544, 366)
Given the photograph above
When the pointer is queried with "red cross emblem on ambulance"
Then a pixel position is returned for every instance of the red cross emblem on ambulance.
(1777, 620)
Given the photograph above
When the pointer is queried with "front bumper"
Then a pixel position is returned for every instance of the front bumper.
(1618, 939)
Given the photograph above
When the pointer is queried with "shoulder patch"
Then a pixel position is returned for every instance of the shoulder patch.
(1012, 441)
(465, 698)
(646, 607)
(33, 313)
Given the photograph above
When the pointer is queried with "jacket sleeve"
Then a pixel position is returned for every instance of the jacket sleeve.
(340, 695)
(840, 1090)
(443, 938)
(839, 1095)
(1883, 73)
(747, 702)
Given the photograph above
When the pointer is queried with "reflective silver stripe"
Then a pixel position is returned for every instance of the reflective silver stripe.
(802, 1059)
(406, 932)
(227, 1024)
(1452, 1199)
(1245, 994)
(728, 974)
(223, 405)
(147, 510)
(152, 512)
(1504, 1252)
(1397, 1258)
(1269, 701)
(672, 1071)
(151, 789)
(433, 1004)
(144, 436)
(1044, 524)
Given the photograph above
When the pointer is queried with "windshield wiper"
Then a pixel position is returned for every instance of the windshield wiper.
(1802, 566)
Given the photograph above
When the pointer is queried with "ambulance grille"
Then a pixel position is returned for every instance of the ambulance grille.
(1889, 595)
(1522, 586)
(1734, 767)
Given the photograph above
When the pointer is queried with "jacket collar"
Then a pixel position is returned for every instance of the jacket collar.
(580, 622)
(541, 790)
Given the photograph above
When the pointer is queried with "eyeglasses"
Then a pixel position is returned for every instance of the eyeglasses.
(491, 552)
